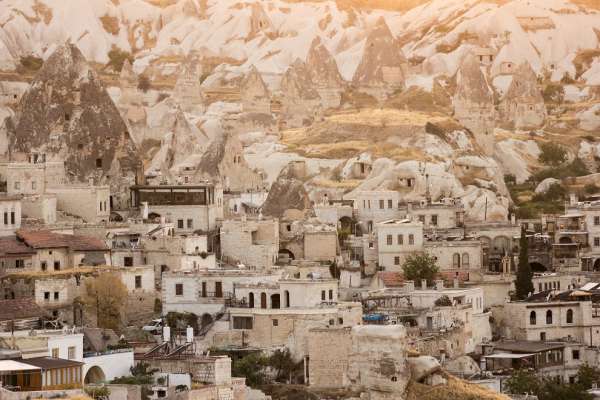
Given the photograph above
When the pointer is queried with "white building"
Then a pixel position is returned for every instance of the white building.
(396, 240)
(10, 214)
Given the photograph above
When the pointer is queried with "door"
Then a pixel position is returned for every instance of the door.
(218, 289)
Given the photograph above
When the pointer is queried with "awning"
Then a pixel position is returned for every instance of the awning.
(509, 356)
(11, 365)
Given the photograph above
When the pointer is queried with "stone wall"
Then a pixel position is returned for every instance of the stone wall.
(328, 352)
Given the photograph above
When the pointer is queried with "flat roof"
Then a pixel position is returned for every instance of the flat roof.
(50, 363)
(526, 346)
(509, 356)
(153, 187)
(12, 365)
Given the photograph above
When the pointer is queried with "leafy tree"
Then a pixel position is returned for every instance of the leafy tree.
(144, 83)
(253, 368)
(552, 154)
(420, 266)
(587, 376)
(105, 297)
(284, 366)
(524, 284)
(443, 301)
(96, 393)
(523, 381)
(116, 58)
(556, 391)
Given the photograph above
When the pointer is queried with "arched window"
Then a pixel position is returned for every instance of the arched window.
(465, 260)
(456, 260)
(569, 316)
(548, 317)
(286, 298)
(532, 318)
(251, 300)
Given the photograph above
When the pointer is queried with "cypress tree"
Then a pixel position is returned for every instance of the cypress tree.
(524, 283)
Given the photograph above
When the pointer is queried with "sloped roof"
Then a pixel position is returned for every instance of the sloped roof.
(392, 279)
(47, 239)
(19, 309)
(10, 245)
(51, 363)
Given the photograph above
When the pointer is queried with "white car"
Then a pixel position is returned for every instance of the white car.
(155, 327)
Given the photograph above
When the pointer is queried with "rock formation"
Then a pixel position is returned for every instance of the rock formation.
(324, 74)
(255, 94)
(474, 103)
(68, 115)
(224, 161)
(259, 21)
(187, 91)
(300, 101)
(287, 192)
(523, 105)
(380, 70)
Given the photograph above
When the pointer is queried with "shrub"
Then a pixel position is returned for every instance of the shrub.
(510, 179)
(144, 83)
(420, 266)
(101, 392)
(31, 63)
(552, 154)
(554, 93)
(591, 189)
(443, 301)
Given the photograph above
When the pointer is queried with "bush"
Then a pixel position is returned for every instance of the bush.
(101, 392)
(552, 154)
(591, 189)
(31, 63)
(117, 57)
(443, 301)
(555, 192)
(554, 93)
(510, 179)
(144, 83)
(575, 168)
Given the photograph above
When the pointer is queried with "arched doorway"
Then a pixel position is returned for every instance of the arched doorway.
(275, 301)
(565, 240)
(346, 224)
(537, 267)
(263, 300)
(286, 295)
(251, 300)
(95, 375)
(286, 254)
(206, 320)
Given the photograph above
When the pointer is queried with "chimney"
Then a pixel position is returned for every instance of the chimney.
(424, 284)
(189, 335)
(439, 284)
(409, 286)
(166, 334)
(456, 285)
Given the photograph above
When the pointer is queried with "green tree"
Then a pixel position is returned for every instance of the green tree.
(283, 364)
(552, 154)
(524, 284)
(587, 376)
(557, 391)
(420, 266)
(523, 381)
(117, 57)
(105, 298)
(253, 368)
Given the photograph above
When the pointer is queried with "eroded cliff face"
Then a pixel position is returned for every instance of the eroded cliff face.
(67, 114)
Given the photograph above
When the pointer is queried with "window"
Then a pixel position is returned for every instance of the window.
(390, 203)
(55, 352)
(56, 296)
(434, 220)
(389, 240)
(341, 321)
(532, 318)
(128, 261)
(98, 163)
(411, 239)
(275, 322)
(179, 289)
(543, 336)
(100, 206)
(12, 217)
(465, 260)
(17, 185)
(540, 287)
(575, 354)
(322, 295)
(381, 204)
(548, 317)
(242, 322)
(332, 322)
(33, 185)
(190, 223)
(44, 265)
(597, 220)
(396, 260)
(180, 224)
(138, 281)
(67, 117)
(5, 218)
(569, 316)
(400, 239)
(597, 242)
(71, 352)
(57, 265)
(330, 294)
(456, 260)
(47, 296)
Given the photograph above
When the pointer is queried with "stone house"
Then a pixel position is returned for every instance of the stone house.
(375, 206)
(446, 214)
(34, 176)
(10, 214)
(90, 202)
(396, 240)
(455, 258)
(15, 255)
(474, 103)
(42, 207)
(252, 242)
(523, 105)
(591, 216)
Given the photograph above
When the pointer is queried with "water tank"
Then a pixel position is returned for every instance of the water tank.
(189, 334)
(166, 334)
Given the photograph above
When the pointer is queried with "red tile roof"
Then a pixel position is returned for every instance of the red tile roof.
(392, 279)
(50, 240)
(19, 309)
(10, 245)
